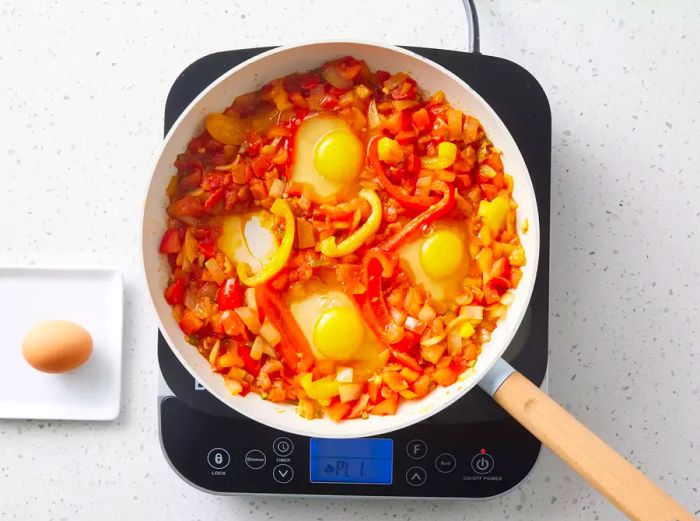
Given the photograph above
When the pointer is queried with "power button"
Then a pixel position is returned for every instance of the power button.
(482, 463)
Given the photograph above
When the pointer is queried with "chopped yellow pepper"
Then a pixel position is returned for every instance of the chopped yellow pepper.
(389, 151)
(322, 389)
(494, 213)
(279, 208)
(466, 330)
(356, 239)
(446, 156)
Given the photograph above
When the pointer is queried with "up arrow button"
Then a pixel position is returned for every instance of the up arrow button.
(416, 476)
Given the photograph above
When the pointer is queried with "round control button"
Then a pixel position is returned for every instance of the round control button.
(283, 473)
(255, 459)
(218, 458)
(416, 476)
(416, 449)
(445, 463)
(482, 463)
(283, 446)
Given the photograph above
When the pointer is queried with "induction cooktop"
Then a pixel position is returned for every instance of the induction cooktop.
(470, 450)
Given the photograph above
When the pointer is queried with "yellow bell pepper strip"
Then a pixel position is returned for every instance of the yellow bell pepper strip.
(322, 389)
(356, 239)
(278, 261)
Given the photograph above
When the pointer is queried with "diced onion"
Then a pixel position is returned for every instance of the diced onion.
(454, 343)
(507, 298)
(398, 316)
(427, 313)
(472, 312)
(256, 350)
(414, 325)
(344, 375)
(277, 188)
(270, 333)
(249, 318)
(250, 299)
(234, 386)
(373, 118)
(215, 271)
(332, 75)
(349, 392)
(423, 185)
(214, 352)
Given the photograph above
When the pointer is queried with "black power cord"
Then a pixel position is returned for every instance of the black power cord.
(473, 24)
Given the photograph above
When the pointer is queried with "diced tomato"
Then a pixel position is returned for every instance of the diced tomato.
(373, 391)
(348, 67)
(190, 181)
(406, 137)
(407, 90)
(207, 246)
(406, 360)
(186, 207)
(337, 411)
(494, 289)
(490, 190)
(230, 294)
(387, 406)
(175, 292)
(422, 385)
(250, 365)
(254, 142)
(170, 243)
(494, 161)
(215, 198)
(445, 376)
(190, 323)
(309, 80)
(421, 119)
(413, 164)
(382, 76)
(232, 324)
(261, 164)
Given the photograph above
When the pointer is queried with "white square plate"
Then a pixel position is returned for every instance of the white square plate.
(92, 298)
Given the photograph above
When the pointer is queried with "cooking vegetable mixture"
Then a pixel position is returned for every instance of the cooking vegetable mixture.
(341, 240)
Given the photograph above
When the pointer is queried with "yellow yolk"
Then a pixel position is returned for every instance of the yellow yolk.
(442, 254)
(328, 157)
(439, 262)
(338, 156)
(332, 324)
(339, 332)
(248, 239)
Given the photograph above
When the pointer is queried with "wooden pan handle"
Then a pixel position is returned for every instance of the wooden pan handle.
(611, 474)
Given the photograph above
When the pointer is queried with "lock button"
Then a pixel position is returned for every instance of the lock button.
(218, 458)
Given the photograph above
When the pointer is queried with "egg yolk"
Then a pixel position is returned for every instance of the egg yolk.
(338, 333)
(338, 156)
(442, 254)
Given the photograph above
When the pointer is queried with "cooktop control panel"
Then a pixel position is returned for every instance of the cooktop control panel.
(235, 455)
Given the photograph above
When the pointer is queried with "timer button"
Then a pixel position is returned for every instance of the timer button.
(482, 463)
(416, 449)
(218, 458)
(283, 447)
(445, 463)
(416, 476)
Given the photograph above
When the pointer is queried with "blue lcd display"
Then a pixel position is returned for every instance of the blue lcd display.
(364, 461)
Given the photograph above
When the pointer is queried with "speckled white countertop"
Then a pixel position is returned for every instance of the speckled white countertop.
(83, 86)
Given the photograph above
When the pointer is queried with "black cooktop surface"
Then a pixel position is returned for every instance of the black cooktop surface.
(472, 449)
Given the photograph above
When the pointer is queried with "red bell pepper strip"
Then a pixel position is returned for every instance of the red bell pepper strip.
(170, 242)
(372, 303)
(428, 216)
(230, 294)
(293, 348)
(411, 202)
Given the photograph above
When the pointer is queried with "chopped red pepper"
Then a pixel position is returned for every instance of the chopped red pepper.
(230, 294)
(293, 348)
(494, 289)
(421, 119)
(214, 199)
(430, 215)
(250, 365)
(382, 76)
(170, 242)
(372, 303)
(411, 202)
(190, 323)
(175, 292)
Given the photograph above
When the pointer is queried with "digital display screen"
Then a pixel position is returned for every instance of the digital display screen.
(364, 461)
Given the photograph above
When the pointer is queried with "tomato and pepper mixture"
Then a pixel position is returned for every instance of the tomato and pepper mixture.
(340, 240)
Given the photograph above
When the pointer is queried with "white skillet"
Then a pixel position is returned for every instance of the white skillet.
(595, 461)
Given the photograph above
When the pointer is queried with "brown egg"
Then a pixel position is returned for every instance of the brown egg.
(57, 346)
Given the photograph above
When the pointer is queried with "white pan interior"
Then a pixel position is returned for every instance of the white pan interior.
(251, 75)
